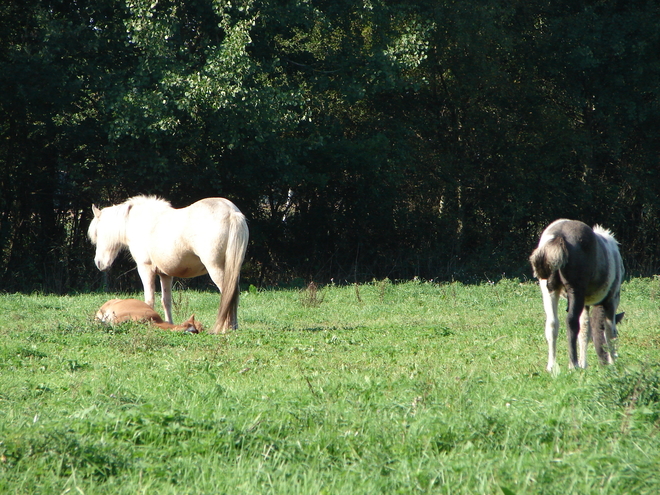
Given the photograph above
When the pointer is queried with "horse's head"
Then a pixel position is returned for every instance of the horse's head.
(104, 235)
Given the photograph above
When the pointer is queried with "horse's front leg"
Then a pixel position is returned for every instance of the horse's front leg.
(166, 296)
(148, 278)
(550, 300)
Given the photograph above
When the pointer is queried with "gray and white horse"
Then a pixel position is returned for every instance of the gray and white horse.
(583, 264)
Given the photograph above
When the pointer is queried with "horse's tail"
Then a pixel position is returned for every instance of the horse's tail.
(236, 246)
(549, 257)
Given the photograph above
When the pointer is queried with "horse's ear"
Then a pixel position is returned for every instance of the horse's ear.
(619, 317)
(97, 212)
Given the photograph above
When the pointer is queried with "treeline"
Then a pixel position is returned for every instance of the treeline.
(361, 139)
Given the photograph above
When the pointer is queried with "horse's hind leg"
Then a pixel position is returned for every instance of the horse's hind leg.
(575, 308)
(166, 296)
(605, 334)
(550, 300)
(218, 277)
(584, 337)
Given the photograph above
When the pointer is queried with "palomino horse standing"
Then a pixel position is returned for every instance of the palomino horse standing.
(209, 236)
(585, 266)
(120, 310)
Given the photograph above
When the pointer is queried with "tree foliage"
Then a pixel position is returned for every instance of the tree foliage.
(362, 140)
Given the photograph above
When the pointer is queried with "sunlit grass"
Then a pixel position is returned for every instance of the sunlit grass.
(391, 388)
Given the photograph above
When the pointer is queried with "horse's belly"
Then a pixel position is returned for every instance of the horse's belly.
(187, 272)
(598, 292)
(186, 267)
(597, 295)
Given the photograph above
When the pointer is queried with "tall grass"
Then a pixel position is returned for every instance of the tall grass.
(378, 388)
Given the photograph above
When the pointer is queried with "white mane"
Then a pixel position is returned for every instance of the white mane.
(146, 200)
(606, 233)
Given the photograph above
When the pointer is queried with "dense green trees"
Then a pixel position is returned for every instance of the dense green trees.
(361, 139)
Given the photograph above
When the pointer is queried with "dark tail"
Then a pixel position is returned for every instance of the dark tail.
(236, 247)
(550, 257)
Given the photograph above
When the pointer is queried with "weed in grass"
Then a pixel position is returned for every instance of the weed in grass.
(634, 391)
(357, 293)
(311, 296)
(74, 365)
(63, 451)
(382, 289)
(181, 300)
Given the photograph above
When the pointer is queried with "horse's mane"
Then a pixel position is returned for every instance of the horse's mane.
(114, 219)
(607, 233)
(146, 200)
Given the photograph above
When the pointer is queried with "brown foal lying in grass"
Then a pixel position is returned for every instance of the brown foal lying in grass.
(120, 310)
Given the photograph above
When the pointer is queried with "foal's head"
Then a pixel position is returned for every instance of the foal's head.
(106, 233)
(192, 326)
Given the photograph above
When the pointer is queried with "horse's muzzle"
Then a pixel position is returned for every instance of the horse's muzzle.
(101, 265)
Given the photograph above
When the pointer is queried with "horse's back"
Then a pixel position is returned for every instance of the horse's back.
(215, 204)
(205, 218)
(575, 233)
(212, 216)
(203, 228)
(183, 240)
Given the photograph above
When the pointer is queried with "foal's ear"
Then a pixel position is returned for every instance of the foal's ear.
(619, 317)
(192, 327)
(97, 212)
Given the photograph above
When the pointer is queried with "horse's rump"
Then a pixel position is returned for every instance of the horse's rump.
(549, 257)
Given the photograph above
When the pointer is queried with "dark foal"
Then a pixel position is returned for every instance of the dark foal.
(583, 264)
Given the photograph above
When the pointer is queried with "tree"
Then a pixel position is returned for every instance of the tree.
(366, 140)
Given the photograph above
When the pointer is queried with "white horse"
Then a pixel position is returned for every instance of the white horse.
(209, 236)
(585, 266)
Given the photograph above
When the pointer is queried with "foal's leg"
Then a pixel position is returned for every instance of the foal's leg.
(550, 300)
(584, 337)
(575, 308)
(166, 296)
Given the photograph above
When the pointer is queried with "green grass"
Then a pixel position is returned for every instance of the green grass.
(377, 388)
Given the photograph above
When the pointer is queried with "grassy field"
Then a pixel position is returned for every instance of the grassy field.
(379, 388)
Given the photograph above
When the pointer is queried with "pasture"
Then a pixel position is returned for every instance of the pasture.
(378, 388)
